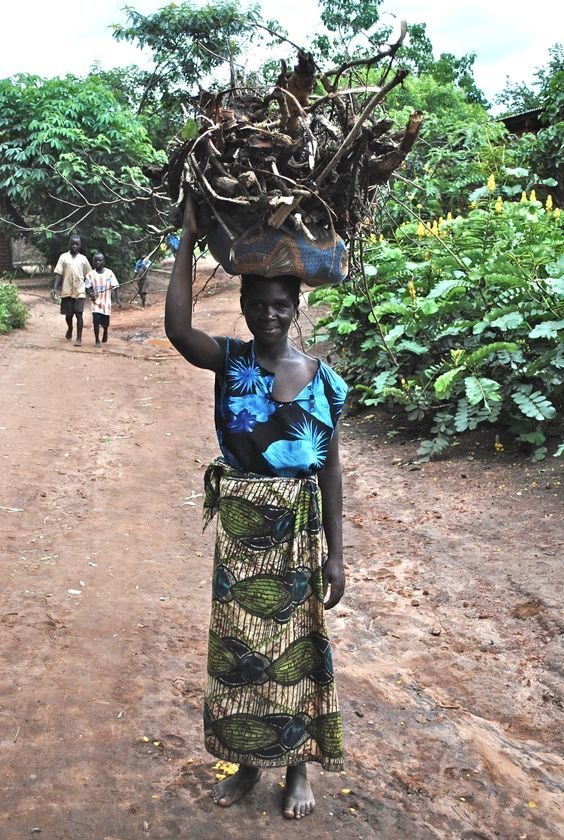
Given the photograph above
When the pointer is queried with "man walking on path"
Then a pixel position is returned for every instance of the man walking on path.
(99, 284)
(141, 269)
(70, 271)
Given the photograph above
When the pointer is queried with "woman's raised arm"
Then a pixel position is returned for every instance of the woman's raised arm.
(197, 347)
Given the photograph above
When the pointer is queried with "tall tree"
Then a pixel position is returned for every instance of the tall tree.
(350, 15)
(418, 56)
(353, 29)
(517, 97)
(187, 44)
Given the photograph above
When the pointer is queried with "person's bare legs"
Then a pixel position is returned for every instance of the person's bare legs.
(79, 325)
(228, 791)
(97, 335)
(68, 334)
(105, 335)
(298, 800)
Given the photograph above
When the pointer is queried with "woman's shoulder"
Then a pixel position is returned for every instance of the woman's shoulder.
(236, 346)
(332, 378)
(237, 352)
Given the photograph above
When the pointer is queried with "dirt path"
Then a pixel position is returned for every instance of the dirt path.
(447, 645)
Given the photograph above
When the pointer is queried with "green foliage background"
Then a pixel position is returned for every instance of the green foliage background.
(71, 159)
(460, 322)
(13, 313)
(455, 313)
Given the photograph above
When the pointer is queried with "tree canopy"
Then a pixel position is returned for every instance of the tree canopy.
(188, 44)
(71, 159)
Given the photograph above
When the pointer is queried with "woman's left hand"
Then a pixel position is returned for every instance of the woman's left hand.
(334, 578)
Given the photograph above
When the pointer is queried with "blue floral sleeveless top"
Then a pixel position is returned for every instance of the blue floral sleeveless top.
(256, 433)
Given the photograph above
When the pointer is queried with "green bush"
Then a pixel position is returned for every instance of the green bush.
(13, 313)
(460, 321)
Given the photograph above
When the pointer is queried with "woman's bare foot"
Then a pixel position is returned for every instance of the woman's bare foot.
(228, 791)
(299, 800)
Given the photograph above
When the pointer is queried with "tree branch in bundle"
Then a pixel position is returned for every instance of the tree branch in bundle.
(355, 131)
(388, 52)
(381, 168)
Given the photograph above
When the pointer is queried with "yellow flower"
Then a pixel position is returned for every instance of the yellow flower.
(491, 183)
(420, 229)
(523, 197)
(441, 221)
(498, 206)
(498, 445)
(556, 213)
(226, 768)
(411, 289)
(548, 203)
(449, 216)
(473, 204)
(533, 196)
(435, 228)
(381, 238)
(419, 206)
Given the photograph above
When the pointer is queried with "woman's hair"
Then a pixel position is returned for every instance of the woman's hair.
(248, 281)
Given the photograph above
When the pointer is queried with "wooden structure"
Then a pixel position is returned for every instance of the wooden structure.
(527, 122)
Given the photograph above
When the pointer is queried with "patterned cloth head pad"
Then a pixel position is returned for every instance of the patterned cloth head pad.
(270, 252)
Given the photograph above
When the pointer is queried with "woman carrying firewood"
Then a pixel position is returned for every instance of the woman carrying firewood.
(270, 698)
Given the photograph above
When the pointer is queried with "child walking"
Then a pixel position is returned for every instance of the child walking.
(99, 284)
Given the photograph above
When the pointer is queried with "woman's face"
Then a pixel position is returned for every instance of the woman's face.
(268, 308)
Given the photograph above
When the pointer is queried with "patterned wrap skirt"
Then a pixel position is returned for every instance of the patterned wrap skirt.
(270, 698)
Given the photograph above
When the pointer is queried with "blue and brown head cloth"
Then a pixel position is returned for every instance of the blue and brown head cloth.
(271, 252)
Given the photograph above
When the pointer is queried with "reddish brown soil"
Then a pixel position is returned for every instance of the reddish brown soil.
(447, 643)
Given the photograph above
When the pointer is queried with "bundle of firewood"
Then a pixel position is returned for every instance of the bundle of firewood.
(304, 156)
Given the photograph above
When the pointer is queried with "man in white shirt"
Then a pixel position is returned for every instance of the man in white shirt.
(70, 271)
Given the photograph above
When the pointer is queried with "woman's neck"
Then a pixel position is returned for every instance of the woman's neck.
(274, 353)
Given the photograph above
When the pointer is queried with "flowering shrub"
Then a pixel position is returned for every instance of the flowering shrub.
(460, 321)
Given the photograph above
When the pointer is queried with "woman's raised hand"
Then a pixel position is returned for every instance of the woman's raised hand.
(193, 222)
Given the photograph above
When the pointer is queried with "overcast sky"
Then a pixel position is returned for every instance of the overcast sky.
(66, 36)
